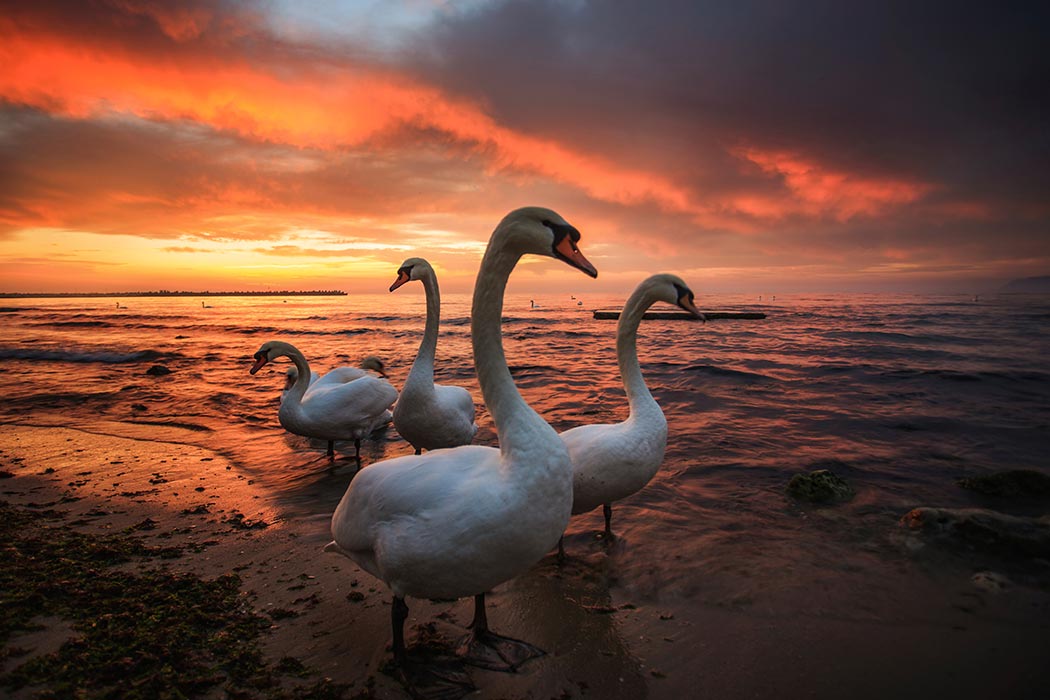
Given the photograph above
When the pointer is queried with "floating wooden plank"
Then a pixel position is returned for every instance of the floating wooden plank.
(613, 314)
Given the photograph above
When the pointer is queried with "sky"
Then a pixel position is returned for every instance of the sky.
(749, 147)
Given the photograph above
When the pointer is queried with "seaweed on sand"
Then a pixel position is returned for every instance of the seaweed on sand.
(148, 633)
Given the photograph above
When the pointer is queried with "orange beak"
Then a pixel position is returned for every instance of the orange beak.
(686, 302)
(402, 277)
(567, 251)
(260, 360)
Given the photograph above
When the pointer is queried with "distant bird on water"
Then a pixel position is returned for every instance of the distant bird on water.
(613, 461)
(348, 403)
(430, 416)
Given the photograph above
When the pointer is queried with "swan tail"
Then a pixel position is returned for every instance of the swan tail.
(333, 546)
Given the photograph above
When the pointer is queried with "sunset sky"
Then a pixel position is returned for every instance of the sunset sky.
(746, 146)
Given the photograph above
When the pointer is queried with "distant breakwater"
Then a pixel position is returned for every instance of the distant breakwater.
(165, 293)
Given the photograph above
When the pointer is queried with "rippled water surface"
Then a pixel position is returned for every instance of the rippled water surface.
(901, 395)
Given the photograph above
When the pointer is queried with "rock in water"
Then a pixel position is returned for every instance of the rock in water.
(977, 528)
(1014, 483)
(820, 486)
(158, 371)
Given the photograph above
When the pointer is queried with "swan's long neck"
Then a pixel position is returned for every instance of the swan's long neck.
(302, 382)
(640, 400)
(518, 426)
(421, 376)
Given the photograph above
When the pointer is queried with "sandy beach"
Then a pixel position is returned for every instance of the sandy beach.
(333, 619)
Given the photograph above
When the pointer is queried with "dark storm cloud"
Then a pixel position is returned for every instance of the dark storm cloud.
(942, 92)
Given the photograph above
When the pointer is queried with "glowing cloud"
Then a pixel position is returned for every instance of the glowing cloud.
(819, 191)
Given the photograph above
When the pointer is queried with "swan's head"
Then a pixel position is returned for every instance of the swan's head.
(671, 288)
(542, 232)
(374, 364)
(412, 269)
(269, 352)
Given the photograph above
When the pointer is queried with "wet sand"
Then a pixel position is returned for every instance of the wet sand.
(603, 639)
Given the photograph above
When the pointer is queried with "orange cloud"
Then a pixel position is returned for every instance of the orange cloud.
(819, 191)
(311, 106)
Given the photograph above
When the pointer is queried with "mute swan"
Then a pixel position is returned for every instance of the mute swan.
(454, 523)
(347, 410)
(612, 461)
(337, 375)
(429, 415)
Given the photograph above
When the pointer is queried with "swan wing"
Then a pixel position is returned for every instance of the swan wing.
(343, 411)
(338, 375)
(612, 461)
(456, 401)
(404, 519)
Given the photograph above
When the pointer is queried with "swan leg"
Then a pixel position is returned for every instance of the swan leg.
(486, 649)
(357, 449)
(426, 678)
(398, 615)
(419, 450)
(331, 449)
(607, 511)
(561, 549)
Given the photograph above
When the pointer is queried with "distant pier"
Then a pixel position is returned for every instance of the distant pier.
(613, 314)
(166, 293)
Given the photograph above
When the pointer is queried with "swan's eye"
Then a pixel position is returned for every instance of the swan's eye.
(259, 355)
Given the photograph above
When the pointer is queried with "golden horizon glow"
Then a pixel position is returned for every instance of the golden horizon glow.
(200, 151)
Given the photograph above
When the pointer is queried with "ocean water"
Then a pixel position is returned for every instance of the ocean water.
(901, 395)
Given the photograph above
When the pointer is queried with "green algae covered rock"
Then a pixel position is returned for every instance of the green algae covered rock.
(820, 486)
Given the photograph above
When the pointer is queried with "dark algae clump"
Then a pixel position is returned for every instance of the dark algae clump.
(148, 633)
(820, 486)
(1013, 483)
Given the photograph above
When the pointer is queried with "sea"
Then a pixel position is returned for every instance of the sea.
(900, 395)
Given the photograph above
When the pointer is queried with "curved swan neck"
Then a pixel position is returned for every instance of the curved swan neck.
(516, 423)
(638, 395)
(421, 376)
(302, 381)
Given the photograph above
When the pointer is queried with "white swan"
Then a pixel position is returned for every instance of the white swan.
(347, 410)
(612, 461)
(429, 415)
(457, 522)
(336, 375)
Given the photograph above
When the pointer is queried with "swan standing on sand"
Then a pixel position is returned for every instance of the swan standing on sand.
(457, 522)
(328, 409)
(612, 461)
(430, 416)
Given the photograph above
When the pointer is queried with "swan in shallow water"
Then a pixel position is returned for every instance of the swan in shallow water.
(457, 522)
(429, 415)
(329, 409)
(336, 375)
(612, 461)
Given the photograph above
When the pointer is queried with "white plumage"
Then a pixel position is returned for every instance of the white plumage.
(431, 416)
(457, 522)
(348, 405)
(612, 461)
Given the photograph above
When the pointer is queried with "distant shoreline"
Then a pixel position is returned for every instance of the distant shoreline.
(164, 293)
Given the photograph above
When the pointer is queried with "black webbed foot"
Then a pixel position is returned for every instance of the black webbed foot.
(486, 649)
(429, 677)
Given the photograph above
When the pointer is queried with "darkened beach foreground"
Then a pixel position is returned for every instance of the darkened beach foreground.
(163, 534)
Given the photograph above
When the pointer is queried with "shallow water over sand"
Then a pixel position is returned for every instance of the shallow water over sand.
(900, 395)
